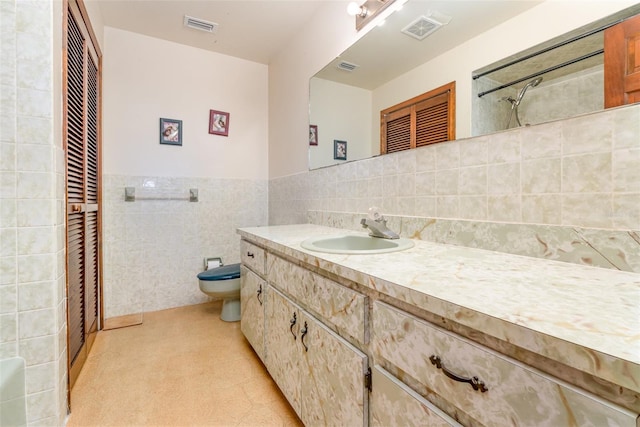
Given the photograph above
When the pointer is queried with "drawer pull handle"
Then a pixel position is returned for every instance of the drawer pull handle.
(474, 381)
(303, 333)
(293, 323)
(259, 294)
(250, 255)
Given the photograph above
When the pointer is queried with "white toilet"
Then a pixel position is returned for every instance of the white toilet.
(223, 282)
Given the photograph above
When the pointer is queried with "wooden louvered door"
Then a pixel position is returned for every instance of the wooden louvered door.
(622, 63)
(423, 120)
(82, 147)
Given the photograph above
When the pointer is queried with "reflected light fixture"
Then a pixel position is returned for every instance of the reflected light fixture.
(354, 9)
(368, 11)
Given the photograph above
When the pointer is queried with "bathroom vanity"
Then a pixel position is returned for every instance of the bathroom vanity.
(440, 334)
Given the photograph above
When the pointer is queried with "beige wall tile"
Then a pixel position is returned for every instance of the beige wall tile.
(626, 173)
(447, 182)
(587, 134)
(504, 208)
(587, 173)
(473, 180)
(592, 208)
(542, 209)
(541, 176)
(503, 178)
(447, 155)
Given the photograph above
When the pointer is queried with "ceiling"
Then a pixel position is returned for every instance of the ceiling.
(257, 30)
(386, 52)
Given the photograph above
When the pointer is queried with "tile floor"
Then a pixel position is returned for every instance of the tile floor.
(181, 367)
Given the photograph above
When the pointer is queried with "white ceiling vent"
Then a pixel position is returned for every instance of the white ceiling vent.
(347, 66)
(199, 24)
(422, 27)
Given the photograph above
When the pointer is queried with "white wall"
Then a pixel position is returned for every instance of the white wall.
(332, 102)
(147, 78)
(550, 19)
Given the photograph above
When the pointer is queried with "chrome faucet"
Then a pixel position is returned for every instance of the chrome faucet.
(378, 227)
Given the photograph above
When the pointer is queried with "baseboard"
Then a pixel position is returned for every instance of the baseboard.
(123, 321)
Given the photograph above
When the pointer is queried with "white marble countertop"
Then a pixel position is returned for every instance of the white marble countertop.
(584, 317)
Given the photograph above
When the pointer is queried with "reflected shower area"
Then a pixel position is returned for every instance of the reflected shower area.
(555, 80)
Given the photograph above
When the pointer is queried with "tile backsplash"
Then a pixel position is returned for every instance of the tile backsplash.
(552, 190)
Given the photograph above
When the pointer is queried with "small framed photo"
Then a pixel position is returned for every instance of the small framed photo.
(218, 123)
(171, 131)
(313, 135)
(339, 150)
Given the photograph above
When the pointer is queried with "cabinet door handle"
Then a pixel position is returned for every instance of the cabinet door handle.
(259, 294)
(250, 255)
(303, 332)
(473, 381)
(293, 323)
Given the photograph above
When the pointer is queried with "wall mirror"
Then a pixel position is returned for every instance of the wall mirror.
(346, 96)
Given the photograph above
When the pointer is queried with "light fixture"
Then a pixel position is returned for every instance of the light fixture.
(370, 10)
(354, 9)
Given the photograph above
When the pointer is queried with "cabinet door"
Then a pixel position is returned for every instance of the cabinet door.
(282, 333)
(332, 373)
(252, 308)
(394, 403)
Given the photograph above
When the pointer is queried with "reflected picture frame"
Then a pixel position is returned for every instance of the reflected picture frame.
(170, 131)
(339, 150)
(313, 135)
(219, 122)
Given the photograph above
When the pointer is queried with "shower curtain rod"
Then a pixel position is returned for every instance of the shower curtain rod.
(539, 73)
(547, 49)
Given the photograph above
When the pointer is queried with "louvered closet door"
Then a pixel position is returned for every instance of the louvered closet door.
(82, 153)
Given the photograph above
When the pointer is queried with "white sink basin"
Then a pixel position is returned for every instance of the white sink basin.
(355, 244)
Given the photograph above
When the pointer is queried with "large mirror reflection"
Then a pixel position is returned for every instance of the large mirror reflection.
(557, 79)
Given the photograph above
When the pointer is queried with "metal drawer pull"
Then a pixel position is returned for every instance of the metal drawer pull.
(259, 294)
(250, 255)
(474, 381)
(304, 332)
(293, 323)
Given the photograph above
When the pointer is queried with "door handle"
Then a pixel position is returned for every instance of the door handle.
(293, 323)
(76, 207)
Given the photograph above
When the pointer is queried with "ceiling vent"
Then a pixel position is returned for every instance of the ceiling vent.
(347, 66)
(199, 24)
(422, 27)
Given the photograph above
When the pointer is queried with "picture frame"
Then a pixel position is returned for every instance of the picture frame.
(313, 135)
(339, 150)
(170, 131)
(219, 122)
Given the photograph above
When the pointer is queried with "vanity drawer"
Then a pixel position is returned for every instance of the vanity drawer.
(336, 305)
(253, 257)
(516, 394)
(393, 403)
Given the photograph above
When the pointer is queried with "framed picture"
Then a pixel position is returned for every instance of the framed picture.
(339, 150)
(313, 135)
(171, 131)
(218, 123)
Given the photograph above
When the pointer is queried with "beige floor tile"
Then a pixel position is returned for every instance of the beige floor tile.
(181, 367)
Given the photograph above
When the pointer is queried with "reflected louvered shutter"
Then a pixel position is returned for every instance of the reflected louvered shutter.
(398, 130)
(420, 121)
(432, 120)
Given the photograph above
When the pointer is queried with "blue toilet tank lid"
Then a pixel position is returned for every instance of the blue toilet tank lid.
(226, 272)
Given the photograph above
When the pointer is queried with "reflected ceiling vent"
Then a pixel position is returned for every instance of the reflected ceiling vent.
(347, 66)
(424, 26)
(199, 24)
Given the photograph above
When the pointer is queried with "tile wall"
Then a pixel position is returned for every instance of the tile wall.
(544, 190)
(154, 249)
(32, 260)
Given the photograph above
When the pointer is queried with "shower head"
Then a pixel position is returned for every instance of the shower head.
(533, 83)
